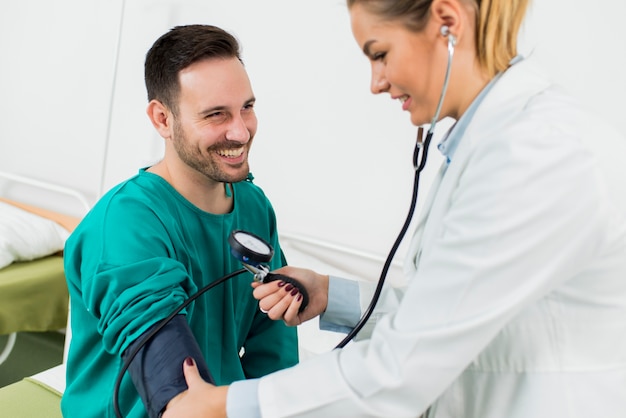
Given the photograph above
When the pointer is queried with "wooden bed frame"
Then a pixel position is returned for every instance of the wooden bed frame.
(66, 221)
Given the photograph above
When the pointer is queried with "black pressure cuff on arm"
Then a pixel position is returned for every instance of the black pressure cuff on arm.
(157, 369)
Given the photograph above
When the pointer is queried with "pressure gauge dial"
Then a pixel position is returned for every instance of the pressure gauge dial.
(249, 248)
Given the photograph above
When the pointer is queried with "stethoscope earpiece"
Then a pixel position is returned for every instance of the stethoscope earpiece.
(445, 31)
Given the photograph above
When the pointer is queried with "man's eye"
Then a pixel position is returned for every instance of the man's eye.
(214, 115)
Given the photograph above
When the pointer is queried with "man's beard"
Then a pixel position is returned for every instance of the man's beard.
(205, 165)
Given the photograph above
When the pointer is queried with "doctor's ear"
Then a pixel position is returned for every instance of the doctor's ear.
(450, 16)
(161, 118)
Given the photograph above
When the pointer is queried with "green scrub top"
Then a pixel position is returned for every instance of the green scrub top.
(137, 255)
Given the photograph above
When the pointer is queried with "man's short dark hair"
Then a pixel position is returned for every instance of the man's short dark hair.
(178, 49)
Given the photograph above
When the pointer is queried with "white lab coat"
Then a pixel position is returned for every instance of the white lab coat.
(516, 306)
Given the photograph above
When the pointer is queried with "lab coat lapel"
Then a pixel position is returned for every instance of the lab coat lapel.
(439, 202)
(414, 252)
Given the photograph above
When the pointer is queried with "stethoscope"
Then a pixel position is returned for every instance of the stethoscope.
(419, 145)
(253, 251)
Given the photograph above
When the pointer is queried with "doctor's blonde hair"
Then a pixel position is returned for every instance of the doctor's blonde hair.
(497, 25)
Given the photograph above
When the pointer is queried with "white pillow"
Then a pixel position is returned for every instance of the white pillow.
(25, 236)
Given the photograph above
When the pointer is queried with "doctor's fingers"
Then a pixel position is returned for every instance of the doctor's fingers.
(280, 309)
(292, 316)
(269, 295)
(262, 290)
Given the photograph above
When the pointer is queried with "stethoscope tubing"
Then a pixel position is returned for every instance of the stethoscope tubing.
(418, 169)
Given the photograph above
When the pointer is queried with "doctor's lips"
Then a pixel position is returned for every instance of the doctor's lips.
(405, 100)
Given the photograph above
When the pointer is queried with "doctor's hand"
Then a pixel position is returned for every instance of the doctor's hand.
(200, 400)
(280, 301)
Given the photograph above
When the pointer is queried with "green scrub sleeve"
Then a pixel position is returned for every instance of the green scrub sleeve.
(129, 299)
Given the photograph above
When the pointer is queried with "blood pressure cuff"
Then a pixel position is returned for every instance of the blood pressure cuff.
(157, 369)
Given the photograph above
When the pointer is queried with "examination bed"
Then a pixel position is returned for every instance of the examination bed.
(43, 309)
(33, 292)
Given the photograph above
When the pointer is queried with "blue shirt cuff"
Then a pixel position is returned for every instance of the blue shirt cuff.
(242, 400)
(343, 310)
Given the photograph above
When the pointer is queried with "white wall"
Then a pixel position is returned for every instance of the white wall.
(335, 160)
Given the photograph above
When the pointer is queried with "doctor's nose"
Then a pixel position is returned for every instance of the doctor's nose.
(379, 82)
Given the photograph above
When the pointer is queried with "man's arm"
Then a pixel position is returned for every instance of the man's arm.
(156, 369)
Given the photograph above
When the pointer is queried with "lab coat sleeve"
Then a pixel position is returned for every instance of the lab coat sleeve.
(502, 239)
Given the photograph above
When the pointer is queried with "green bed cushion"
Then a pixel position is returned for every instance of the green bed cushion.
(33, 296)
(29, 398)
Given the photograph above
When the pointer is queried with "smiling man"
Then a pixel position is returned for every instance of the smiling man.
(152, 241)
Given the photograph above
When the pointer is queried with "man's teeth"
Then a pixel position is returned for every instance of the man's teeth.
(231, 153)
(403, 98)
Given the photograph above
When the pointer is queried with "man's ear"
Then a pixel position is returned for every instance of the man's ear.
(161, 118)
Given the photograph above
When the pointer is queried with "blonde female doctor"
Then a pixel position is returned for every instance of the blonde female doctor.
(516, 302)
